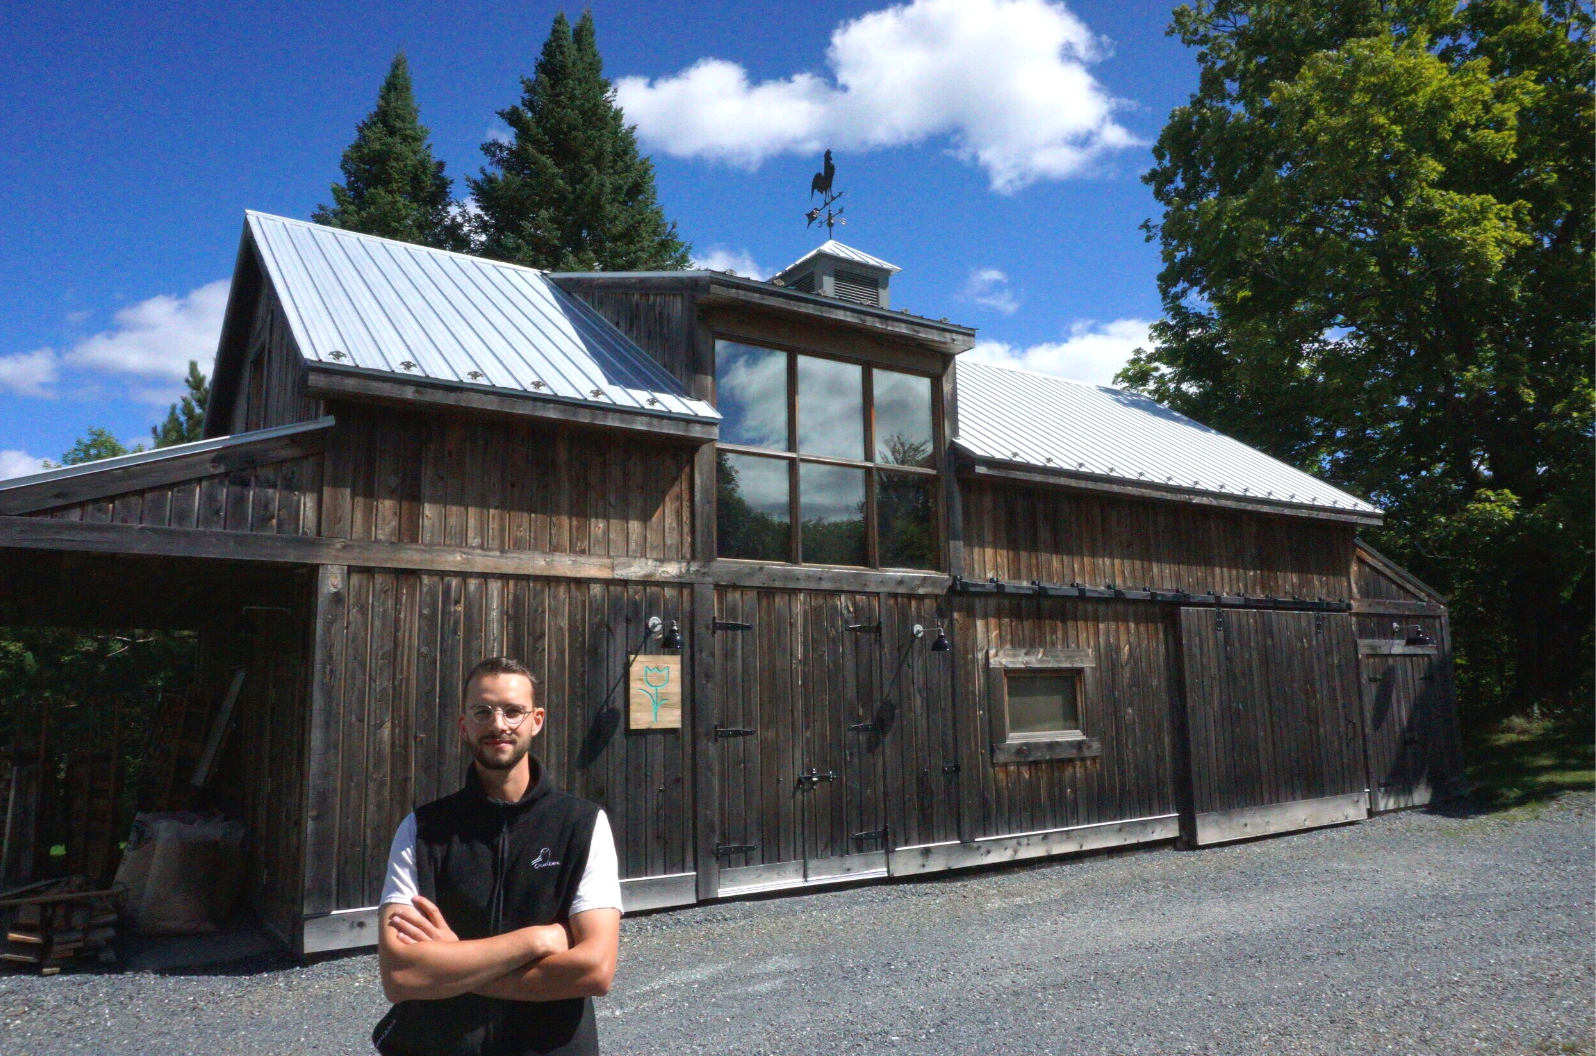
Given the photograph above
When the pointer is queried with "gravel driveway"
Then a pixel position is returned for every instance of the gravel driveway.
(1411, 933)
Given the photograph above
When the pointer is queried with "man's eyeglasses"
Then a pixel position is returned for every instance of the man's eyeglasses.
(514, 715)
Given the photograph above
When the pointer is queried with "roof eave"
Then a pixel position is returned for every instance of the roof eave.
(1030, 473)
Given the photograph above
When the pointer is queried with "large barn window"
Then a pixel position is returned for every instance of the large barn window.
(1037, 704)
(824, 462)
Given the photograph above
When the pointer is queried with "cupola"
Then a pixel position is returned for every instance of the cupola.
(836, 270)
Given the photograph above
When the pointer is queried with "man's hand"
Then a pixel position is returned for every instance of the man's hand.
(587, 969)
(422, 959)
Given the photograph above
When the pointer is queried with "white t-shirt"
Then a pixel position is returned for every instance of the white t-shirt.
(599, 888)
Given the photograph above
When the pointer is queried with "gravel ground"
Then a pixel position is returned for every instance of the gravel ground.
(1411, 933)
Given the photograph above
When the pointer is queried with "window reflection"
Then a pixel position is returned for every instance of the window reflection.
(751, 395)
(903, 418)
(752, 513)
(830, 408)
(905, 520)
(831, 501)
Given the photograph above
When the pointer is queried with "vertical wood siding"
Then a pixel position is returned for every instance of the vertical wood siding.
(282, 498)
(1126, 702)
(396, 648)
(1272, 707)
(458, 482)
(1017, 532)
(272, 383)
(661, 324)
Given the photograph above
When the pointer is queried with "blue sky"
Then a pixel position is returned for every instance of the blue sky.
(990, 148)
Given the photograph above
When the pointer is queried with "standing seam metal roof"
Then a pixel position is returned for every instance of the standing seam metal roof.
(1056, 424)
(833, 248)
(355, 300)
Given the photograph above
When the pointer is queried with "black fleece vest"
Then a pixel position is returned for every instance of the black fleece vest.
(493, 867)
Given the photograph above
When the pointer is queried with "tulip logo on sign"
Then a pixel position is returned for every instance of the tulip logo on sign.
(654, 680)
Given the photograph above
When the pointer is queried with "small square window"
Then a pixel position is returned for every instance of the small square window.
(1037, 704)
(1042, 704)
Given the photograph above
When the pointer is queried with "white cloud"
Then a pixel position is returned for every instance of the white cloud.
(156, 338)
(29, 373)
(1006, 80)
(1093, 353)
(720, 258)
(151, 341)
(989, 288)
(18, 464)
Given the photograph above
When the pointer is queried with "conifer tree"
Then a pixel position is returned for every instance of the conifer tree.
(393, 186)
(185, 419)
(570, 191)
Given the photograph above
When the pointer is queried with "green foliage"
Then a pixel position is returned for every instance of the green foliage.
(97, 444)
(1526, 760)
(185, 420)
(571, 192)
(393, 186)
(1376, 249)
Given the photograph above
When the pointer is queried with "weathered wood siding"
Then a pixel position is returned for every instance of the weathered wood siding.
(874, 709)
(1056, 536)
(395, 476)
(1272, 710)
(272, 384)
(662, 324)
(281, 498)
(392, 649)
(1125, 701)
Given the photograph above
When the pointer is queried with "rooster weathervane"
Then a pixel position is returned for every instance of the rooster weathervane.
(821, 185)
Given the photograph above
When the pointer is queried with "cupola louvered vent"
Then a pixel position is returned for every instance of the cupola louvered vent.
(836, 270)
(853, 286)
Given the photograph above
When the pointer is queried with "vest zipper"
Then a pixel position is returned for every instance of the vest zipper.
(500, 853)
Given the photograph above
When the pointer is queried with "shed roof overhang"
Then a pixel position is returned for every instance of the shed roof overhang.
(718, 290)
(970, 464)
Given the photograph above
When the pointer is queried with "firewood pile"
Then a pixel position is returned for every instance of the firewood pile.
(58, 924)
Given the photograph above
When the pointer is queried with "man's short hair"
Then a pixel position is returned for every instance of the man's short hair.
(496, 665)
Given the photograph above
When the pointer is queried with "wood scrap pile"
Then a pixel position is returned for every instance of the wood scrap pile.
(59, 923)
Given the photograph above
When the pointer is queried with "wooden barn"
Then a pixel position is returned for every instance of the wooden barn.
(922, 614)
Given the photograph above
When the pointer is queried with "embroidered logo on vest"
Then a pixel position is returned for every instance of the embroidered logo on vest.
(544, 860)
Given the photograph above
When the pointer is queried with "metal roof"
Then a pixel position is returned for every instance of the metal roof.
(1054, 424)
(833, 248)
(357, 301)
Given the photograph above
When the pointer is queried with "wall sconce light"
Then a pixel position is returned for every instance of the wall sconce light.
(672, 638)
(941, 643)
(1416, 636)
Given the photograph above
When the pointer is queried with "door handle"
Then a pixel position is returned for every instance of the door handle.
(813, 777)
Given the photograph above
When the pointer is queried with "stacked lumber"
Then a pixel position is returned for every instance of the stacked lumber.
(58, 925)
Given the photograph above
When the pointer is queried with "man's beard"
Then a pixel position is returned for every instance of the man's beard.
(488, 763)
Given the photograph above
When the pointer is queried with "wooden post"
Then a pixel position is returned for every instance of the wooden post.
(321, 769)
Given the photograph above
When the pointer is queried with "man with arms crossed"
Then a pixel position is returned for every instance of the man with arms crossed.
(502, 910)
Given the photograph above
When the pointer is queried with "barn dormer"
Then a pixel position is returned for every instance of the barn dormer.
(836, 270)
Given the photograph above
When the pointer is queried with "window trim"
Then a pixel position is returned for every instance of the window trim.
(1008, 747)
(872, 468)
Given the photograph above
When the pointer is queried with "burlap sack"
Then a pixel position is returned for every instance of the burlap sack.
(182, 872)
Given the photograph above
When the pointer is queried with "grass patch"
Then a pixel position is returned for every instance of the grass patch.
(1522, 762)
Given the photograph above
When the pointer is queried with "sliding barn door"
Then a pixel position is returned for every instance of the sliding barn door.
(1273, 721)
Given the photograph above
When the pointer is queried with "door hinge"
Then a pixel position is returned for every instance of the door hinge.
(814, 777)
(865, 628)
(733, 731)
(865, 727)
(873, 834)
(951, 768)
(723, 850)
(732, 625)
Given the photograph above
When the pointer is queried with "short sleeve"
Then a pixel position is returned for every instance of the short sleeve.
(400, 886)
(600, 886)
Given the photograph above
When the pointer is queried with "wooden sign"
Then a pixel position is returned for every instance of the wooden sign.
(655, 693)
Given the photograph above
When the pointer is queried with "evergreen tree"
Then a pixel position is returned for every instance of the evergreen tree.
(185, 419)
(393, 186)
(571, 192)
(98, 444)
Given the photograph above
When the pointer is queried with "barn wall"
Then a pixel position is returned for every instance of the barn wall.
(1056, 536)
(662, 324)
(280, 498)
(398, 476)
(392, 649)
(1126, 701)
(272, 383)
